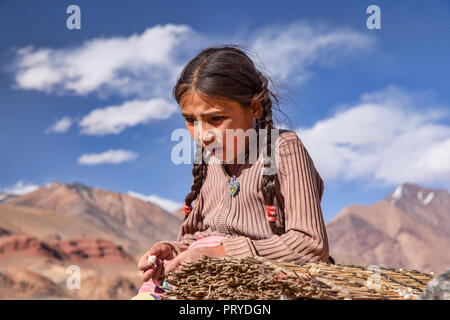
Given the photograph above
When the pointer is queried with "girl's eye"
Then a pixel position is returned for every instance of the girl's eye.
(218, 118)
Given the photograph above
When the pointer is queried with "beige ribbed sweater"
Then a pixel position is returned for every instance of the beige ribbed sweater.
(242, 218)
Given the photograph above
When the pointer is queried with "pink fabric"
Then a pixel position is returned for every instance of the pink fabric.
(151, 287)
(211, 241)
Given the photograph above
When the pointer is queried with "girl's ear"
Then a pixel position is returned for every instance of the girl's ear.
(256, 108)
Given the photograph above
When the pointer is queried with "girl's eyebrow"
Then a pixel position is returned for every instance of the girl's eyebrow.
(203, 114)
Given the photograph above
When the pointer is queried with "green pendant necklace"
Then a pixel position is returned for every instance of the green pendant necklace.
(233, 185)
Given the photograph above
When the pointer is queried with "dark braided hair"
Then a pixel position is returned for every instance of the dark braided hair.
(227, 72)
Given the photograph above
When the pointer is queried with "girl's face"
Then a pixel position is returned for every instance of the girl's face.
(215, 118)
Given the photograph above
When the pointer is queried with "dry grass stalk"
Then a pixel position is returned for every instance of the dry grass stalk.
(256, 278)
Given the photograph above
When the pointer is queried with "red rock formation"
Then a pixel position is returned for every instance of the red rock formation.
(92, 250)
(28, 246)
(4, 232)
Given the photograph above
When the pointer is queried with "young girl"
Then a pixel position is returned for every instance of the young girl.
(234, 209)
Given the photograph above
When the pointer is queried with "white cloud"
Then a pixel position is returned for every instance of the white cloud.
(145, 64)
(166, 204)
(289, 51)
(111, 156)
(21, 188)
(389, 137)
(114, 119)
(61, 125)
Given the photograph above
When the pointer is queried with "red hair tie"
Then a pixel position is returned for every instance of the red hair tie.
(186, 209)
(271, 213)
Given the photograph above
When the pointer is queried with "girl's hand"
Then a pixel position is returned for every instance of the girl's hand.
(162, 251)
(193, 255)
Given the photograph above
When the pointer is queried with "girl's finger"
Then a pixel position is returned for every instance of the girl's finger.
(159, 252)
(155, 252)
(156, 276)
(163, 253)
(142, 264)
(147, 275)
(158, 271)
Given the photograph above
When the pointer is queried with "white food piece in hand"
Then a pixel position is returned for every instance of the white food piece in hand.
(151, 259)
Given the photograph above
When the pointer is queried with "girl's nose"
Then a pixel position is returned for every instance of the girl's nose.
(210, 135)
(208, 138)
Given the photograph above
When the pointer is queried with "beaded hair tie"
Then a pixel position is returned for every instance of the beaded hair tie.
(186, 209)
(271, 213)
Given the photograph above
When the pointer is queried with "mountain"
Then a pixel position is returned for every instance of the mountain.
(109, 287)
(38, 269)
(4, 232)
(126, 220)
(58, 225)
(429, 207)
(409, 228)
(20, 283)
(5, 197)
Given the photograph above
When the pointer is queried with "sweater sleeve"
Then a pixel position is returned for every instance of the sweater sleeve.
(305, 238)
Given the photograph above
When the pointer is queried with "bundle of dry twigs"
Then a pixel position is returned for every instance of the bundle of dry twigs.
(258, 278)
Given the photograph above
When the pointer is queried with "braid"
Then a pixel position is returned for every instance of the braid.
(266, 122)
(199, 172)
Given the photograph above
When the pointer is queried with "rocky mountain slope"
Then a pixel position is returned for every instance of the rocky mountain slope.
(409, 228)
(44, 232)
(77, 209)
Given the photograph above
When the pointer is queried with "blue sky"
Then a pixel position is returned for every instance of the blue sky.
(372, 106)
